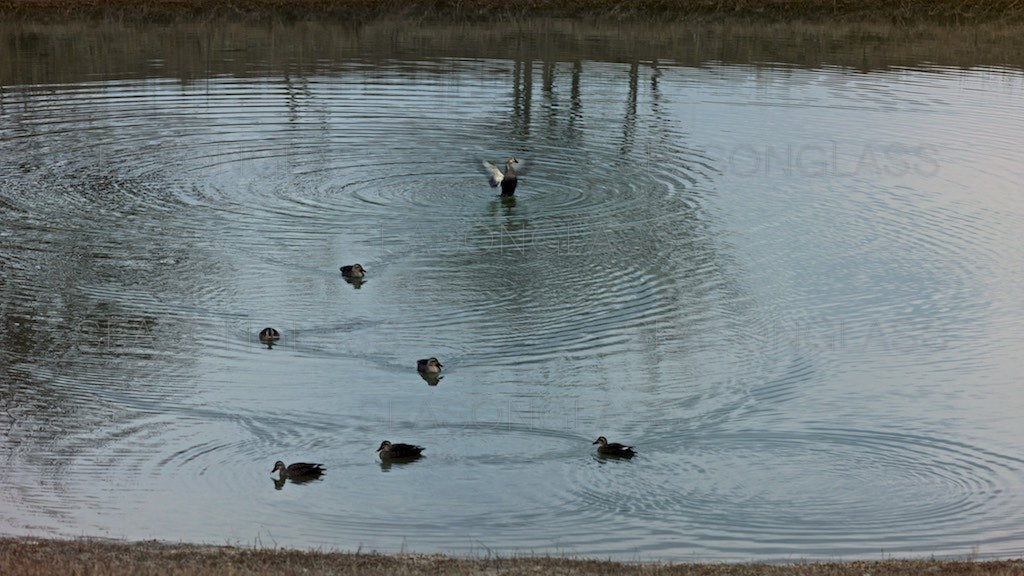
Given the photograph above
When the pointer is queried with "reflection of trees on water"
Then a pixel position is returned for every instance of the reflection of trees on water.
(575, 106)
(562, 123)
(559, 121)
(645, 134)
(297, 95)
(629, 129)
(629, 120)
(522, 98)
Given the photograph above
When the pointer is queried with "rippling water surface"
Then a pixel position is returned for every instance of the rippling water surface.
(796, 290)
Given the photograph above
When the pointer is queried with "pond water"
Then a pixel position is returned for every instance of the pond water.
(794, 286)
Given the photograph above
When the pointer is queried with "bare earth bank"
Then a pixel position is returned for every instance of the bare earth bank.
(31, 556)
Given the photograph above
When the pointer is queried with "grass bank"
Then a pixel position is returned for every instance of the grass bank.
(30, 557)
(946, 12)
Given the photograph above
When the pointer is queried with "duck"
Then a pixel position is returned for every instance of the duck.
(389, 451)
(269, 335)
(303, 470)
(429, 365)
(353, 271)
(508, 180)
(613, 449)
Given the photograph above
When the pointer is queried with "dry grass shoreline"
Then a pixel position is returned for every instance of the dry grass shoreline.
(32, 556)
(900, 12)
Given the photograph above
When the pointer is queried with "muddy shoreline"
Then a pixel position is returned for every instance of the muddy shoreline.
(33, 556)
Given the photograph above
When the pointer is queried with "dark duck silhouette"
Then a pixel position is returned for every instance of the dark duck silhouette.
(268, 335)
(613, 449)
(389, 451)
(298, 470)
(353, 271)
(508, 180)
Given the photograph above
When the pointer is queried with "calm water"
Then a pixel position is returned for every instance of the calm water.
(795, 288)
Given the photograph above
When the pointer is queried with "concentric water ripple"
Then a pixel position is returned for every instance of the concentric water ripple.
(807, 489)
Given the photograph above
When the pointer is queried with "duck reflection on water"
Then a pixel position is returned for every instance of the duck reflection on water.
(432, 379)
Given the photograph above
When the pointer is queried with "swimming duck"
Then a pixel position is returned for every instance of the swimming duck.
(298, 470)
(353, 271)
(507, 180)
(269, 335)
(391, 451)
(613, 449)
(429, 365)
